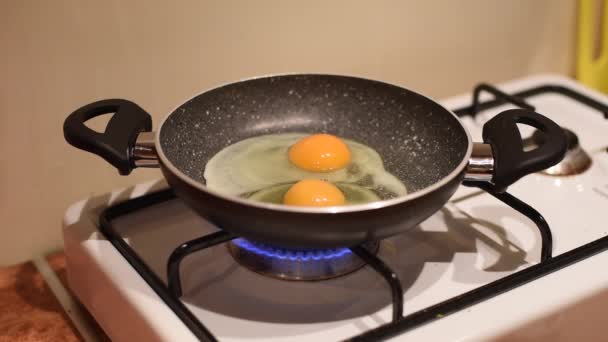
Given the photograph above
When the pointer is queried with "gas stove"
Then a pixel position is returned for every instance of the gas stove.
(526, 264)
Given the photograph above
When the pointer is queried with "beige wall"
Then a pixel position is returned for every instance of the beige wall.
(58, 55)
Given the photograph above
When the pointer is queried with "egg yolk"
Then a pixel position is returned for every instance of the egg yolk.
(313, 193)
(320, 153)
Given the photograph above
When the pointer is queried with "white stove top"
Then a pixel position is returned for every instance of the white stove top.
(474, 240)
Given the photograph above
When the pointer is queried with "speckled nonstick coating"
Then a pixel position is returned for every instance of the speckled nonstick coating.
(420, 143)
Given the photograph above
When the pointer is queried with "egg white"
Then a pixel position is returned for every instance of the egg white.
(260, 162)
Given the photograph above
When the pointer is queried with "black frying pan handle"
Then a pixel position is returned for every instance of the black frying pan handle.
(116, 142)
(511, 162)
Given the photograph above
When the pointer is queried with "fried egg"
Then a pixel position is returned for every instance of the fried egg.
(257, 164)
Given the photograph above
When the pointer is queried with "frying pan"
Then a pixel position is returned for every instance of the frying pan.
(423, 144)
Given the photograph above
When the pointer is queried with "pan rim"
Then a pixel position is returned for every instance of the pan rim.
(313, 210)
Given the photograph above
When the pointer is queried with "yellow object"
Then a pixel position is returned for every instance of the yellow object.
(592, 63)
(320, 153)
(314, 193)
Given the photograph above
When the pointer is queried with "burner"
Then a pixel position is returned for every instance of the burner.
(576, 160)
(296, 263)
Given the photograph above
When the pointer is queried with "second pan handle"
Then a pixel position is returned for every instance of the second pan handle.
(503, 148)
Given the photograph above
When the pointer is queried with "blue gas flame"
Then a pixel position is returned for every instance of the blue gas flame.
(296, 254)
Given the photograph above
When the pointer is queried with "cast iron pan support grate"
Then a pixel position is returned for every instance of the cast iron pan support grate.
(189, 247)
(518, 98)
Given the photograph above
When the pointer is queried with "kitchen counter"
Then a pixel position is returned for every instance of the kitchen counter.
(36, 306)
